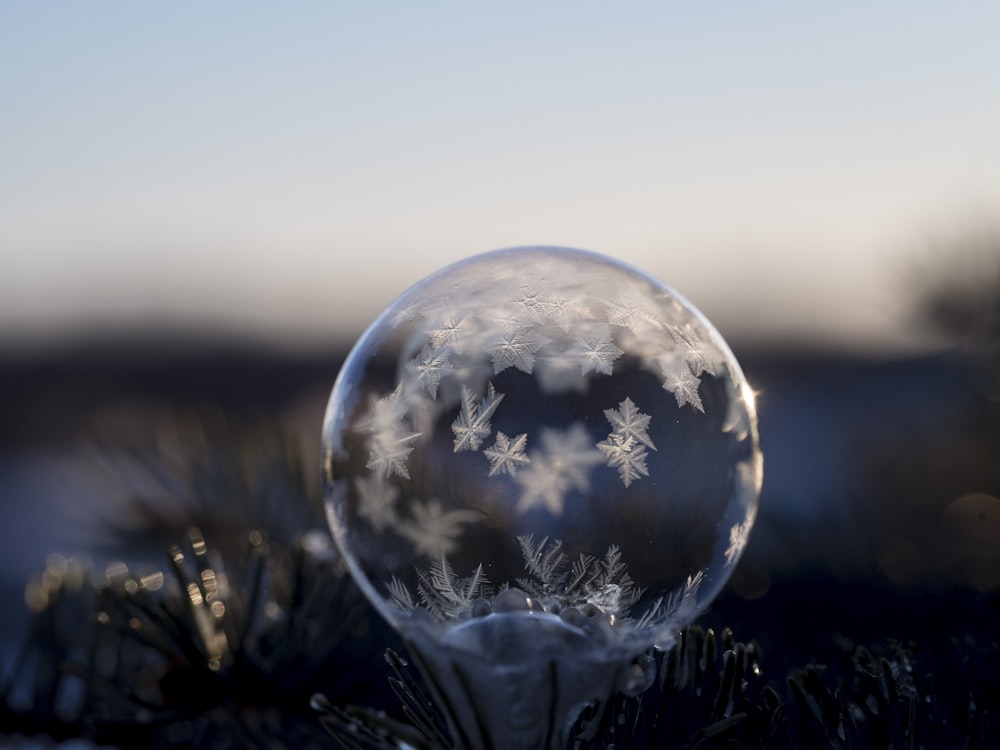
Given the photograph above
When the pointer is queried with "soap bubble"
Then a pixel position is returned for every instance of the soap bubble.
(541, 438)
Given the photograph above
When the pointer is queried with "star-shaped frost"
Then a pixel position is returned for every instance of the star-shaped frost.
(680, 381)
(515, 346)
(448, 331)
(627, 312)
(384, 414)
(563, 463)
(472, 426)
(388, 453)
(626, 455)
(377, 501)
(596, 353)
(391, 441)
(434, 531)
(694, 350)
(531, 304)
(507, 454)
(429, 367)
(561, 311)
(628, 422)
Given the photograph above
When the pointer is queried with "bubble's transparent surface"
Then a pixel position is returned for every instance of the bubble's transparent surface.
(541, 433)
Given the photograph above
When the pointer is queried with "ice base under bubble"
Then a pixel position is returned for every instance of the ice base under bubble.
(520, 680)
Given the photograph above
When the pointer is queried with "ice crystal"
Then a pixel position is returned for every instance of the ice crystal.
(694, 351)
(563, 463)
(628, 422)
(596, 352)
(449, 331)
(401, 595)
(377, 501)
(626, 455)
(515, 346)
(530, 303)
(507, 454)
(625, 447)
(605, 582)
(391, 441)
(550, 578)
(472, 426)
(434, 531)
(445, 594)
(432, 363)
(680, 607)
(562, 311)
(739, 535)
(680, 381)
(629, 313)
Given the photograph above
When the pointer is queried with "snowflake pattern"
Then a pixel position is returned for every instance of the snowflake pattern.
(515, 346)
(390, 442)
(507, 454)
(530, 303)
(596, 353)
(626, 455)
(377, 501)
(430, 366)
(680, 381)
(563, 464)
(625, 447)
(449, 331)
(628, 422)
(472, 426)
(562, 312)
(434, 531)
(630, 313)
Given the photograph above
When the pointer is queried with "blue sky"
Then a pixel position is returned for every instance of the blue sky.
(285, 171)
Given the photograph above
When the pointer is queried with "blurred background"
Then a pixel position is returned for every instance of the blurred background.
(202, 206)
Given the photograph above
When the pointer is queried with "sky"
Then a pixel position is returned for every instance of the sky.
(283, 171)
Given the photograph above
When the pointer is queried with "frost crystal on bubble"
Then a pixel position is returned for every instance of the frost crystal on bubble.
(596, 353)
(680, 381)
(434, 531)
(630, 313)
(447, 595)
(563, 464)
(550, 576)
(429, 367)
(628, 422)
(695, 353)
(391, 442)
(626, 455)
(472, 426)
(681, 606)
(377, 501)
(739, 535)
(448, 333)
(515, 346)
(530, 303)
(625, 447)
(605, 582)
(562, 312)
(507, 454)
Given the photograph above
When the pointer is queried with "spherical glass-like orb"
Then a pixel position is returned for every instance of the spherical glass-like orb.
(543, 436)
